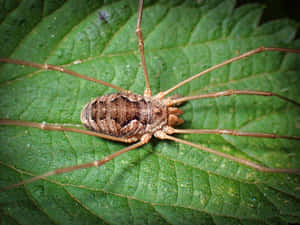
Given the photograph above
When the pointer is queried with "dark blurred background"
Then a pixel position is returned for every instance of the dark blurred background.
(277, 8)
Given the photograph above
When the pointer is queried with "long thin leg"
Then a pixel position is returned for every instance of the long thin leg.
(255, 51)
(229, 93)
(231, 132)
(245, 162)
(60, 69)
(95, 163)
(141, 47)
(47, 126)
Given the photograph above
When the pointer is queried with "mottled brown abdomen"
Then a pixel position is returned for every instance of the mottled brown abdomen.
(124, 115)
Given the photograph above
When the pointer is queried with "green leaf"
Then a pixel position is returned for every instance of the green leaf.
(162, 182)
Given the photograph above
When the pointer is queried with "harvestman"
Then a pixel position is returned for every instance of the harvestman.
(151, 115)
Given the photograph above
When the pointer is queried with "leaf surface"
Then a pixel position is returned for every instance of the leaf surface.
(162, 182)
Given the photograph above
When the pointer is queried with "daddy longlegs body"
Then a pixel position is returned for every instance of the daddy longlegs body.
(157, 116)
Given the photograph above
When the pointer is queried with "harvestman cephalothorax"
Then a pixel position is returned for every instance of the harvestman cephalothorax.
(131, 118)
